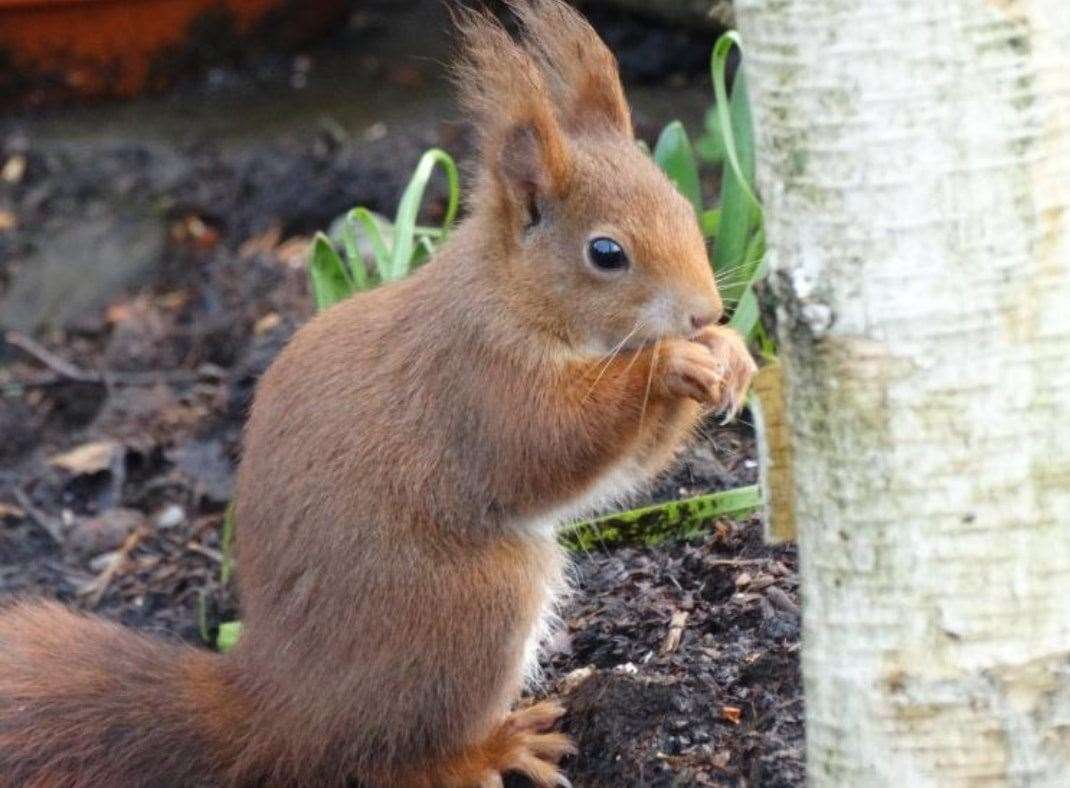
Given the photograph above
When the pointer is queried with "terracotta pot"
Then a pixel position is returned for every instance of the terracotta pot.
(52, 48)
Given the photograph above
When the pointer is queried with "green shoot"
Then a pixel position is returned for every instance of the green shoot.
(395, 249)
(736, 223)
(675, 156)
(228, 635)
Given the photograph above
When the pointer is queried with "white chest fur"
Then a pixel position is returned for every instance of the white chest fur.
(610, 489)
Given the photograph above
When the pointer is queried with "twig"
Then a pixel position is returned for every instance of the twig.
(58, 365)
(47, 524)
(736, 561)
(65, 370)
(97, 588)
(207, 552)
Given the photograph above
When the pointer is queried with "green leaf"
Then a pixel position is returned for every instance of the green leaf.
(746, 315)
(740, 211)
(424, 249)
(734, 118)
(330, 279)
(711, 222)
(675, 156)
(659, 522)
(409, 207)
(229, 631)
(747, 270)
(710, 146)
(363, 218)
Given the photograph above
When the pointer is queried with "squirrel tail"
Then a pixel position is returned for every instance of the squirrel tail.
(84, 702)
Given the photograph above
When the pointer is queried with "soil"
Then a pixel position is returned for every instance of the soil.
(145, 287)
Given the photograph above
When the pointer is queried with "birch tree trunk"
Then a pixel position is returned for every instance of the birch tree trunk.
(915, 165)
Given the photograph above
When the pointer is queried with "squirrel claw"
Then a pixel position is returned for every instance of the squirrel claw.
(534, 750)
(732, 367)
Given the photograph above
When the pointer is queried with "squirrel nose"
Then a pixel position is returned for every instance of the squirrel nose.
(702, 319)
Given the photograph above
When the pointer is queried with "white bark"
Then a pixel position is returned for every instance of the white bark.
(915, 165)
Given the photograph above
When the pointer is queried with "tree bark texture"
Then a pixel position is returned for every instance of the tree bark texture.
(914, 159)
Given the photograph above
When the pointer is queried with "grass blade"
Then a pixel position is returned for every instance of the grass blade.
(366, 220)
(653, 524)
(674, 154)
(409, 207)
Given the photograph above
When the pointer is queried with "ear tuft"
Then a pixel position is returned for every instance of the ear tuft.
(580, 70)
(506, 93)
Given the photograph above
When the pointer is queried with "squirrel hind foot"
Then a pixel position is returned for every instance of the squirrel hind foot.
(521, 743)
(524, 743)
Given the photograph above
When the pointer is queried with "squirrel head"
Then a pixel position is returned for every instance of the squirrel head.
(594, 243)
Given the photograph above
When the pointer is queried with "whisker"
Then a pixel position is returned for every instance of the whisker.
(649, 381)
(609, 359)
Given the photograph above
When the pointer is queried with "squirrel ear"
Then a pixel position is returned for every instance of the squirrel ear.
(532, 168)
(580, 71)
(523, 147)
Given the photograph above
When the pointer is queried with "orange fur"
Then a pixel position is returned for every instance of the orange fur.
(404, 459)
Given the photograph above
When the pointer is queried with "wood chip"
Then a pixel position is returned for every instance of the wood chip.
(780, 599)
(574, 679)
(676, 631)
(732, 714)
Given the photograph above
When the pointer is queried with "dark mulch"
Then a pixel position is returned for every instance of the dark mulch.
(692, 650)
(686, 654)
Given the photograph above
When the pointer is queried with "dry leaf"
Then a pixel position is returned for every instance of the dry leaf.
(9, 511)
(294, 251)
(14, 169)
(88, 458)
(172, 300)
(266, 323)
(118, 312)
(262, 243)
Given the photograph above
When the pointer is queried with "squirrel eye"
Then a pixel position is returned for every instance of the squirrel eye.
(606, 254)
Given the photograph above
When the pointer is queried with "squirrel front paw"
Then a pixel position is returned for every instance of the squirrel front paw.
(712, 367)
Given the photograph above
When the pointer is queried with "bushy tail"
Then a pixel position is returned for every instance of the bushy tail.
(84, 702)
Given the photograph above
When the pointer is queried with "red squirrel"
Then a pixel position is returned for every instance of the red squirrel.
(407, 459)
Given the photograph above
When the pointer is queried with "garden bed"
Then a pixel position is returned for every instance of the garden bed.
(146, 287)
